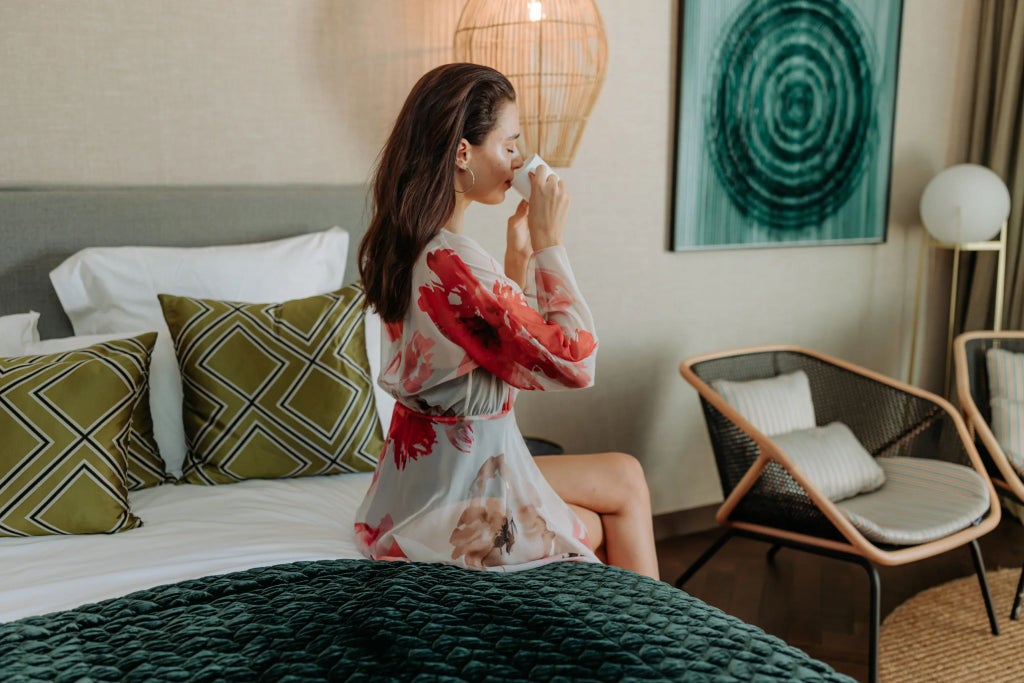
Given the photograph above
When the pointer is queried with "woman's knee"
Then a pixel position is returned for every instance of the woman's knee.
(629, 475)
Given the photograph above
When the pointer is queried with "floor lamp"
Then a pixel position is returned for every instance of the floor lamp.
(963, 208)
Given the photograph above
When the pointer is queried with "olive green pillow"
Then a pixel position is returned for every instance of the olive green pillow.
(65, 426)
(145, 465)
(274, 390)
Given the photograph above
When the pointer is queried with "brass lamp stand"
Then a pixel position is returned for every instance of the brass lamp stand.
(997, 245)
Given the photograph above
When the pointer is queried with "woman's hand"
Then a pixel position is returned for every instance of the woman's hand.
(549, 206)
(519, 247)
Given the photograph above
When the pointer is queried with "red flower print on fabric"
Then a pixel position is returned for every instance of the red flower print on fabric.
(417, 363)
(460, 435)
(553, 293)
(394, 367)
(394, 552)
(369, 536)
(466, 365)
(580, 533)
(394, 330)
(499, 329)
(411, 437)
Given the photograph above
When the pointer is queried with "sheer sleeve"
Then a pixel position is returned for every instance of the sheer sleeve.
(475, 306)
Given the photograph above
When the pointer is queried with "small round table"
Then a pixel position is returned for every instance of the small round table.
(539, 446)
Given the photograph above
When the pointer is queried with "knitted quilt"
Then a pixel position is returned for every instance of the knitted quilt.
(358, 620)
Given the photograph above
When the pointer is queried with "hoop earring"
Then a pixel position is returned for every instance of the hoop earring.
(471, 175)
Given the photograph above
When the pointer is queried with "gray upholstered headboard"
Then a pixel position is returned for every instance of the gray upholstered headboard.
(40, 227)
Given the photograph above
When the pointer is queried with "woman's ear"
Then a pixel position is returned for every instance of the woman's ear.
(463, 154)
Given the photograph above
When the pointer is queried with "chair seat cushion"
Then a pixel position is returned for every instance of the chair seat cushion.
(922, 500)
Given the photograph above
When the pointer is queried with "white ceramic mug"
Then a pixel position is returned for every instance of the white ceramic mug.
(521, 179)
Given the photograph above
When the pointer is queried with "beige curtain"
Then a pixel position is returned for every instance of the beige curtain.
(997, 123)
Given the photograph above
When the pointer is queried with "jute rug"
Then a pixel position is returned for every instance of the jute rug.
(942, 634)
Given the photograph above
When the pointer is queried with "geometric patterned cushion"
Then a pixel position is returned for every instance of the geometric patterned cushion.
(833, 459)
(274, 390)
(145, 466)
(922, 500)
(774, 405)
(65, 426)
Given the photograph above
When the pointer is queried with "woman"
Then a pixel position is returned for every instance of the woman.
(456, 483)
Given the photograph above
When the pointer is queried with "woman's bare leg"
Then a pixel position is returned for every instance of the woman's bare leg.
(613, 486)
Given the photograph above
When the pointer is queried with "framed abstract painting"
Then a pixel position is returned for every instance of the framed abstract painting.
(784, 122)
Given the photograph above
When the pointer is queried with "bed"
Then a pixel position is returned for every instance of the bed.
(260, 579)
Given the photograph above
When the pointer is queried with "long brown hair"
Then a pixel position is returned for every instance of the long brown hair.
(413, 185)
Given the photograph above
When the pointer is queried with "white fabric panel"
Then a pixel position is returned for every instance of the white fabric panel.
(385, 402)
(18, 331)
(188, 532)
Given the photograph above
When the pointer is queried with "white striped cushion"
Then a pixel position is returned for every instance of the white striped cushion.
(833, 459)
(1006, 394)
(1008, 428)
(1005, 374)
(922, 500)
(775, 405)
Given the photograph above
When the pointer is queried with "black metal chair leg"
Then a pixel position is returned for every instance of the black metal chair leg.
(708, 554)
(873, 621)
(772, 552)
(979, 568)
(1015, 611)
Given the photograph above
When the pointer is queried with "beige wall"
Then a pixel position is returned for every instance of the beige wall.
(262, 91)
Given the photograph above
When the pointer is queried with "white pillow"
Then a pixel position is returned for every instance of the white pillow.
(114, 289)
(775, 405)
(385, 402)
(48, 346)
(17, 331)
(1006, 400)
(833, 459)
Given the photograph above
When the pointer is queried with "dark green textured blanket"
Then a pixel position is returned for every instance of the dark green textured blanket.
(361, 621)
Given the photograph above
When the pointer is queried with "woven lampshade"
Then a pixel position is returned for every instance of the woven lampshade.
(553, 51)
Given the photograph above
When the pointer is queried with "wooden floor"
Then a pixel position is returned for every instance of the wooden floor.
(818, 604)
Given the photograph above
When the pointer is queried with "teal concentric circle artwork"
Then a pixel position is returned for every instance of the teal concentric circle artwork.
(790, 112)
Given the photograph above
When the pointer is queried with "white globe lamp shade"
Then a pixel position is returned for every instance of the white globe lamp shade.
(965, 203)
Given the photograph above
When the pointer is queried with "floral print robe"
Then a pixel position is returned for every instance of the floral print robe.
(455, 483)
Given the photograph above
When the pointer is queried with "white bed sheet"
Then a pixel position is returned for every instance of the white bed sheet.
(188, 532)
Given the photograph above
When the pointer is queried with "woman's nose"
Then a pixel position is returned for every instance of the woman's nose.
(517, 161)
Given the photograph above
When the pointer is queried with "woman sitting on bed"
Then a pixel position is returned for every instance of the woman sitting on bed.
(456, 483)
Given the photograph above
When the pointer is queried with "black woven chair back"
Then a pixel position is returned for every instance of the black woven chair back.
(885, 419)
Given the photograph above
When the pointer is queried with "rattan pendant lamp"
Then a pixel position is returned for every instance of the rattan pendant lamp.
(554, 52)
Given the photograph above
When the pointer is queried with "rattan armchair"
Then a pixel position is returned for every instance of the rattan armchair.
(769, 498)
(973, 392)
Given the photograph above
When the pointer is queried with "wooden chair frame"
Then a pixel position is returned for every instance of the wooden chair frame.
(854, 547)
(1002, 473)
